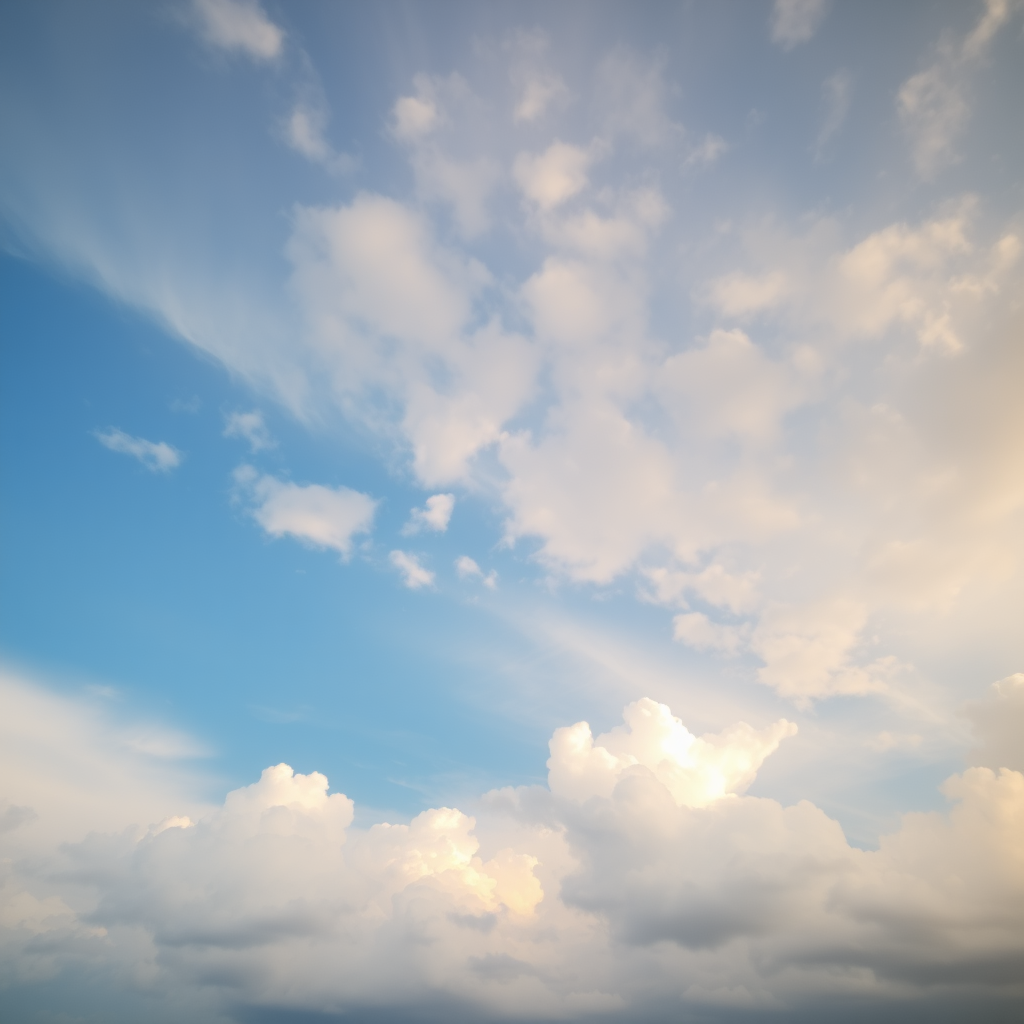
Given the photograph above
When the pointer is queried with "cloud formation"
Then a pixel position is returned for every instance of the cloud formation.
(639, 881)
(240, 25)
(249, 427)
(414, 575)
(795, 21)
(325, 517)
(157, 456)
(435, 515)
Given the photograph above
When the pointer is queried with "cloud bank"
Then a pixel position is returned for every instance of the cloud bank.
(638, 882)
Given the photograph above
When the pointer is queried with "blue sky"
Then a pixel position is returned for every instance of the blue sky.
(387, 388)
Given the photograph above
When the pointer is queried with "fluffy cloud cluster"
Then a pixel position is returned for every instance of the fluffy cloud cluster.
(825, 404)
(639, 882)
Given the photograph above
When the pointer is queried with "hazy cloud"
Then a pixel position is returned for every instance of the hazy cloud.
(239, 25)
(158, 456)
(795, 21)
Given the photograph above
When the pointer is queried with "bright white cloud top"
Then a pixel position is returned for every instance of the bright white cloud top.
(708, 322)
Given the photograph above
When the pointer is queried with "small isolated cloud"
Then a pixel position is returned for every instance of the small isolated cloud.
(415, 117)
(158, 456)
(305, 132)
(550, 178)
(325, 517)
(707, 151)
(835, 97)
(249, 427)
(414, 575)
(795, 21)
(239, 25)
(468, 569)
(435, 515)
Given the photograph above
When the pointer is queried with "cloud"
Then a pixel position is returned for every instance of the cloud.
(414, 575)
(550, 178)
(157, 456)
(304, 130)
(707, 151)
(835, 95)
(934, 103)
(239, 25)
(998, 722)
(795, 21)
(640, 882)
(435, 515)
(249, 427)
(324, 517)
(467, 568)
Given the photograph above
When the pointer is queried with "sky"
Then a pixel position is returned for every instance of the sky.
(511, 511)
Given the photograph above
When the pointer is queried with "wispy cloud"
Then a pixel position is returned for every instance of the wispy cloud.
(240, 25)
(249, 427)
(934, 104)
(157, 456)
(467, 568)
(414, 575)
(435, 515)
(795, 21)
(836, 92)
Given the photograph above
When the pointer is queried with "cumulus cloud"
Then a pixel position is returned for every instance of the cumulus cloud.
(414, 575)
(795, 21)
(324, 517)
(640, 882)
(240, 25)
(157, 456)
(550, 178)
(435, 515)
(249, 427)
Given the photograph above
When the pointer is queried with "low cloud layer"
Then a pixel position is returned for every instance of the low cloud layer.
(640, 881)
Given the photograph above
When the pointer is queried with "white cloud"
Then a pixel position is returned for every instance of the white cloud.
(416, 116)
(999, 725)
(641, 881)
(305, 129)
(934, 104)
(435, 515)
(696, 771)
(807, 650)
(325, 517)
(467, 568)
(249, 427)
(795, 21)
(550, 178)
(414, 575)
(239, 25)
(158, 456)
